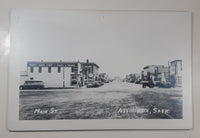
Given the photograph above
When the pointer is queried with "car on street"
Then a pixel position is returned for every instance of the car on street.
(95, 84)
(32, 84)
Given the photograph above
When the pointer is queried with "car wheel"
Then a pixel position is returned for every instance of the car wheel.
(151, 85)
(20, 88)
(143, 86)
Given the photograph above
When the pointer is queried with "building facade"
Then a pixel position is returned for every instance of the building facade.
(171, 73)
(90, 71)
(60, 74)
(156, 73)
(103, 77)
(55, 74)
(176, 72)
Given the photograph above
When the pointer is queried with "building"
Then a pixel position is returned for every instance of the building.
(103, 77)
(127, 78)
(158, 72)
(172, 73)
(90, 71)
(133, 78)
(117, 78)
(60, 74)
(153, 69)
(55, 74)
(130, 78)
(176, 72)
(23, 77)
(137, 77)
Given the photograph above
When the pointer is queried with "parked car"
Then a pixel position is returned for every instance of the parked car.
(95, 84)
(150, 82)
(138, 82)
(99, 83)
(32, 84)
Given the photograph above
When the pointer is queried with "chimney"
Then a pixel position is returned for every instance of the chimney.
(87, 61)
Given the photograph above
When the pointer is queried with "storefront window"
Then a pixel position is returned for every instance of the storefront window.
(59, 69)
(31, 69)
(40, 69)
(49, 69)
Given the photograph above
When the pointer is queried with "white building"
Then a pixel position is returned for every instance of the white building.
(23, 77)
(176, 71)
(54, 74)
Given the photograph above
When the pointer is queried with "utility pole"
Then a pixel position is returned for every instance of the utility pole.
(63, 77)
(169, 72)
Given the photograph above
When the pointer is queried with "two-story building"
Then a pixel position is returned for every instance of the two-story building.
(60, 74)
(55, 74)
(176, 72)
(90, 71)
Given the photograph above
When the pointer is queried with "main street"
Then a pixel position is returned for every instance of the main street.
(114, 100)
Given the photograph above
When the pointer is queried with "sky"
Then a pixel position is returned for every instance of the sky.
(120, 43)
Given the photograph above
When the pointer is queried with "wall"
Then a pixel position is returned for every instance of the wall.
(175, 5)
(53, 79)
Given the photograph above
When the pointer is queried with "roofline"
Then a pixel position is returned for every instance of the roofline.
(175, 61)
(64, 62)
(90, 63)
(52, 62)
(153, 65)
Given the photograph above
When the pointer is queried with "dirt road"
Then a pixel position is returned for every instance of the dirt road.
(115, 100)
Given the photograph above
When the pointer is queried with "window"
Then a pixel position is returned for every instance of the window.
(49, 69)
(59, 69)
(31, 69)
(181, 66)
(74, 70)
(73, 77)
(40, 69)
(90, 70)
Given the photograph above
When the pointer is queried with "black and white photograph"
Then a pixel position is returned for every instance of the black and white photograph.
(101, 65)
(78, 90)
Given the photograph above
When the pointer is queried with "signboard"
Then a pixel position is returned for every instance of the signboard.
(90, 75)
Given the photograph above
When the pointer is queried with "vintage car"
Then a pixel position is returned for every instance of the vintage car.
(32, 84)
(95, 84)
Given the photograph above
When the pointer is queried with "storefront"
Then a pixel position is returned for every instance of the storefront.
(55, 74)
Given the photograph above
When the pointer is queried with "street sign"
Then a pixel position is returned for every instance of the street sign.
(90, 75)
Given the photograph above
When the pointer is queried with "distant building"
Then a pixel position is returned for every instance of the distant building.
(137, 77)
(130, 78)
(116, 78)
(103, 77)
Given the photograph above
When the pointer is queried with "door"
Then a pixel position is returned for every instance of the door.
(67, 77)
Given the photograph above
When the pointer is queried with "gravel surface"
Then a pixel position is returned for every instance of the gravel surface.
(115, 100)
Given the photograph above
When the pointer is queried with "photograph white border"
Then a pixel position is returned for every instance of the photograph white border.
(14, 124)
